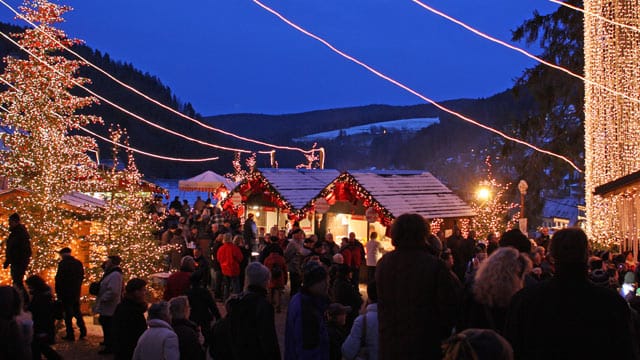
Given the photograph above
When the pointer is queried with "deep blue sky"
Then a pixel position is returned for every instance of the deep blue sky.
(228, 56)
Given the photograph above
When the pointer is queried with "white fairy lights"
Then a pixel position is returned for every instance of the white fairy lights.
(612, 124)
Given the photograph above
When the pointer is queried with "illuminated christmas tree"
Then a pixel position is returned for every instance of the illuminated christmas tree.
(43, 157)
(127, 229)
(491, 208)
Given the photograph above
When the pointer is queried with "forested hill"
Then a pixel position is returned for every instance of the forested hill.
(432, 148)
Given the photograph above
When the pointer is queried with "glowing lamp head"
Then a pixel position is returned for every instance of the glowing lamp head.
(483, 194)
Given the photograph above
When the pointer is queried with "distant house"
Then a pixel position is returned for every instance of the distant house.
(560, 213)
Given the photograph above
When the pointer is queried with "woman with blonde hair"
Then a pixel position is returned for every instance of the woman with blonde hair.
(497, 280)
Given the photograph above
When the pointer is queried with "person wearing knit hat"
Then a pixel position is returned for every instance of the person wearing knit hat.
(253, 316)
(306, 335)
(562, 309)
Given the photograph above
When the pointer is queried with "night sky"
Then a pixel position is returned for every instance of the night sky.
(229, 56)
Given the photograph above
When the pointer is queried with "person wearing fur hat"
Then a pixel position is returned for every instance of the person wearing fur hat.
(566, 309)
(306, 335)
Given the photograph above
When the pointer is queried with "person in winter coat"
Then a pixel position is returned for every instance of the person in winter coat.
(417, 298)
(230, 257)
(128, 320)
(565, 310)
(346, 294)
(215, 265)
(278, 268)
(355, 258)
(159, 341)
(108, 299)
(249, 231)
(252, 323)
(41, 308)
(18, 251)
(477, 344)
(68, 284)
(16, 344)
(203, 266)
(306, 335)
(271, 246)
(203, 307)
(294, 254)
(178, 283)
(246, 257)
(190, 339)
(365, 329)
(499, 277)
(336, 327)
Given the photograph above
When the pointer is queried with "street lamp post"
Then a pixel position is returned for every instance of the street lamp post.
(522, 187)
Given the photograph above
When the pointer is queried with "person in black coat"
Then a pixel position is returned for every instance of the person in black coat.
(203, 266)
(203, 306)
(189, 337)
(346, 294)
(128, 320)
(578, 319)
(251, 319)
(41, 308)
(68, 284)
(18, 251)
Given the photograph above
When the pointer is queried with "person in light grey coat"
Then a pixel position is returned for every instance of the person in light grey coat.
(108, 299)
(352, 346)
(159, 341)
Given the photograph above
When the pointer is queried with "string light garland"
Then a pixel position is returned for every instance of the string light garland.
(524, 52)
(156, 156)
(120, 108)
(612, 126)
(412, 91)
(598, 16)
(149, 98)
(347, 188)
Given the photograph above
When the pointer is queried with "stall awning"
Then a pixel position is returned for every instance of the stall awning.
(208, 181)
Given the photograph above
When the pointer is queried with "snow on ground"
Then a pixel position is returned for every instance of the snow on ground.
(406, 125)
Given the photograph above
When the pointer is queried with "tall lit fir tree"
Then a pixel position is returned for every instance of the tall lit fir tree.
(43, 157)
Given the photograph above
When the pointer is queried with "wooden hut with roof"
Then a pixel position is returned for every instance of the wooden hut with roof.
(275, 196)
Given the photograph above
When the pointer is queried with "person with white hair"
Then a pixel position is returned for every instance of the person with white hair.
(252, 316)
(159, 341)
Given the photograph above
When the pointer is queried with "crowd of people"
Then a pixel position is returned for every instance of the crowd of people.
(431, 297)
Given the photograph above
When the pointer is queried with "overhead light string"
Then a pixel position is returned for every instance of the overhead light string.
(134, 115)
(412, 91)
(141, 152)
(598, 16)
(149, 98)
(522, 51)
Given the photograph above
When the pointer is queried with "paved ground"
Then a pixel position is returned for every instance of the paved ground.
(87, 349)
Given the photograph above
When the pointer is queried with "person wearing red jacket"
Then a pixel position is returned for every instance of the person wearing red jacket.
(277, 266)
(178, 282)
(230, 256)
(354, 257)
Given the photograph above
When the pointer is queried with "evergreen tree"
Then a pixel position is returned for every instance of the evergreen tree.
(491, 207)
(127, 229)
(556, 119)
(43, 157)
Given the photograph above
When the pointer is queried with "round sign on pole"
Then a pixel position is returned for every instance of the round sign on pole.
(236, 199)
(371, 214)
(322, 206)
